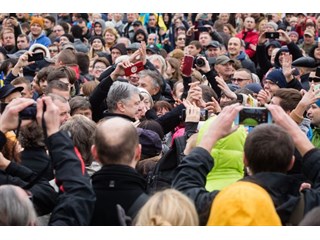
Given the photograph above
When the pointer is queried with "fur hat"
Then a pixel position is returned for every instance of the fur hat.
(38, 20)
(40, 46)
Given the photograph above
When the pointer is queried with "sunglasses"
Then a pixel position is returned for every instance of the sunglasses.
(315, 79)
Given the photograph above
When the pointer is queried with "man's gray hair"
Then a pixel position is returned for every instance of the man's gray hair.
(154, 75)
(15, 211)
(120, 91)
(158, 57)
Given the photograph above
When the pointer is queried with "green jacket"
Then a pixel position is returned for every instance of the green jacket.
(316, 137)
(228, 158)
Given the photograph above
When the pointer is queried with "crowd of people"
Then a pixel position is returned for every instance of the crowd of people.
(92, 103)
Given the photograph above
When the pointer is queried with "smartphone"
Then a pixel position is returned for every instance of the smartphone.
(137, 67)
(187, 65)
(272, 35)
(318, 72)
(316, 88)
(203, 29)
(36, 57)
(203, 115)
(253, 116)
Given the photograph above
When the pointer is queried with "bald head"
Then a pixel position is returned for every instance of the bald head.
(116, 141)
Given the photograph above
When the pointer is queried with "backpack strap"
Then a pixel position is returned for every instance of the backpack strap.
(298, 212)
(138, 203)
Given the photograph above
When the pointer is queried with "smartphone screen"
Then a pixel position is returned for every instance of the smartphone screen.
(187, 65)
(253, 116)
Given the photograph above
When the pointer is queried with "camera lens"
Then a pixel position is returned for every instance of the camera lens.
(200, 62)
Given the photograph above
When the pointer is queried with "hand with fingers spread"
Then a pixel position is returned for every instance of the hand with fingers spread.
(22, 62)
(287, 69)
(192, 112)
(9, 119)
(225, 88)
(221, 126)
(50, 112)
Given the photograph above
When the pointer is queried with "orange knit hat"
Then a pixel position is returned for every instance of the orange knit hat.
(38, 20)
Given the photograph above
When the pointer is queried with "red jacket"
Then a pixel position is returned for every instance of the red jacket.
(250, 37)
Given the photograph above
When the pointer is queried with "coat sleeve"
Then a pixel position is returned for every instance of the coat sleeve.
(311, 166)
(190, 179)
(75, 203)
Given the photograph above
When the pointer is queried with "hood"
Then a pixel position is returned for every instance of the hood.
(276, 59)
(243, 204)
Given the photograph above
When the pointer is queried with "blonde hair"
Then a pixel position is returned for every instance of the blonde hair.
(168, 208)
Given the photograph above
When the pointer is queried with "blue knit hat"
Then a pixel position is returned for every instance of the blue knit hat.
(277, 77)
(318, 102)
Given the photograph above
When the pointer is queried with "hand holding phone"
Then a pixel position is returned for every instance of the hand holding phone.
(187, 65)
(253, 116)
(272, 35)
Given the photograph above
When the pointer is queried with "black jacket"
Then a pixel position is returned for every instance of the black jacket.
(115, 184)
(76, 198)
(283, 189)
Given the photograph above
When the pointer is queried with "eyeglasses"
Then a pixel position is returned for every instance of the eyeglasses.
(238, 79)
(315, 79)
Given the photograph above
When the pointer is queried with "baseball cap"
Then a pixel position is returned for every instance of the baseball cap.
(134, 46)
(214, 44)
(223, 59)
(309, 33)
(6, 90)
(153, 48)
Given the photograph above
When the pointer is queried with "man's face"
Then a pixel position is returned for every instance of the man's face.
(152, 39)
(115, 53)
(85, 112)
(275, 101)
(308, 39)
(48, 24)
(35, 29)
(249, 23)
(152, 21)
(132, 106)
(8, 39)
(225, 70)
(53, 50)
(204, 39)
(270, 86)
(234, 46)
(12, 96)
(193, 51)
(313, 114)
(146, 83)
(131, 17)
(213, 52)
(83, 26)
(64, 110)
(65, 94)
(22, 43)
(26, 92)
(63, 40)
(58, 30)
(241, 78)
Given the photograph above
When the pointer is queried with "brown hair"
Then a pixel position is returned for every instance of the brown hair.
(290, 98)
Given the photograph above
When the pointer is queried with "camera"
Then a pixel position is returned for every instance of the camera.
(203, 114)
(36, 57)
(253, 116)
(29, 112)
(199, 61)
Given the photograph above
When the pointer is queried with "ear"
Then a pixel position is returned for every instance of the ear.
(155, 90)
(245, 160)
(94, 153)
(120, 107)
(293, 159)
(137, 154)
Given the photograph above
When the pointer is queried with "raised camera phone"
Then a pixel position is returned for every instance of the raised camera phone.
(135, 68)
(29, 112)
(187, 65)
(272, 35)
(203, 115)
(36, 57)
(253, 116)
